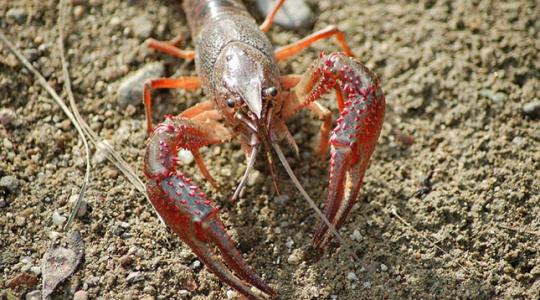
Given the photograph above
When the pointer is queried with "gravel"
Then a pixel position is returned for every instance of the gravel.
(195, 265)
(17, 14)
(356, 236)
(142, 26)
(7, 115)
(10, 182)
(134, 277)
(296, 257)
(185, 156)
(293, 15)
(33, 295)
(254, 177)
(83, 208)
(80, 295)
(432, 58)
(351, 276)
(58, 219)
(532, 109)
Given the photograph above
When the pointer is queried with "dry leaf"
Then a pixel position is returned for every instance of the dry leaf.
(60, 261)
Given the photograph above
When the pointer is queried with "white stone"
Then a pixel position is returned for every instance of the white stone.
(352, 276)
(253, 177)
(295, 257)
(58, 219)
(356, 236)
(185, 156)
(294, 14)
(231, 294)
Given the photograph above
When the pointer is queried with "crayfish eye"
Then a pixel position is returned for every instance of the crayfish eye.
(271, 91)
(231, 103)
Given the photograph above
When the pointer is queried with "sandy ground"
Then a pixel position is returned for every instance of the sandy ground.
(458, 76)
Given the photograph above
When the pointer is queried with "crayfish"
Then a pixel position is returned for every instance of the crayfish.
(251, 103)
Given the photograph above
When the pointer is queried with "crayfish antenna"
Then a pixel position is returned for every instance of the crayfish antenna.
(249, 167)
(310, 201)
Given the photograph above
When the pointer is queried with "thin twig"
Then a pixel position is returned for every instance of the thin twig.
(99, 143)
(43, 82)
(112, 155)
(67, 85)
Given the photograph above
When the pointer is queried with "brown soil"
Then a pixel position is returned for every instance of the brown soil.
(456, 74)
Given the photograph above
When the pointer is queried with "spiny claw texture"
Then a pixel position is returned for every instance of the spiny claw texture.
(353, 139)
(187, 210)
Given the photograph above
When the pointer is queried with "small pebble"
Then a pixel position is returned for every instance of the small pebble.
(58, 219)
(226, 171)
(36, 270)
(20, 221)
(80, 295)
(83, 205)
(10, 182)
(142, 27)
(115, 21)
(499, 97)
(296, 257)
(130, 110)
(532, 109)
(7, 115)
(185, 156)
(117, 230)
(366, 284)
(78, 11)
(3, 203)
(289, 243)
(54, 235)
(126, 260)
(384, 267)
(124, 225)
(38, 40)
(294, 14)
(17, 14)
(356, 236)
(131, 88)
(33, 295)
(231, 294)
(182, 293)
(134, 277)
(352, 276)
(26, 260)
(281, 199)
(517, 140)
(253, 177)
(7, 144)
(195, 265)
(31, 54)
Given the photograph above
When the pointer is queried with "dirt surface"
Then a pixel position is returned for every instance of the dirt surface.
(460, 79)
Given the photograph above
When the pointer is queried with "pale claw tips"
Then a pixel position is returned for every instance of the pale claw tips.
(215, 232)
